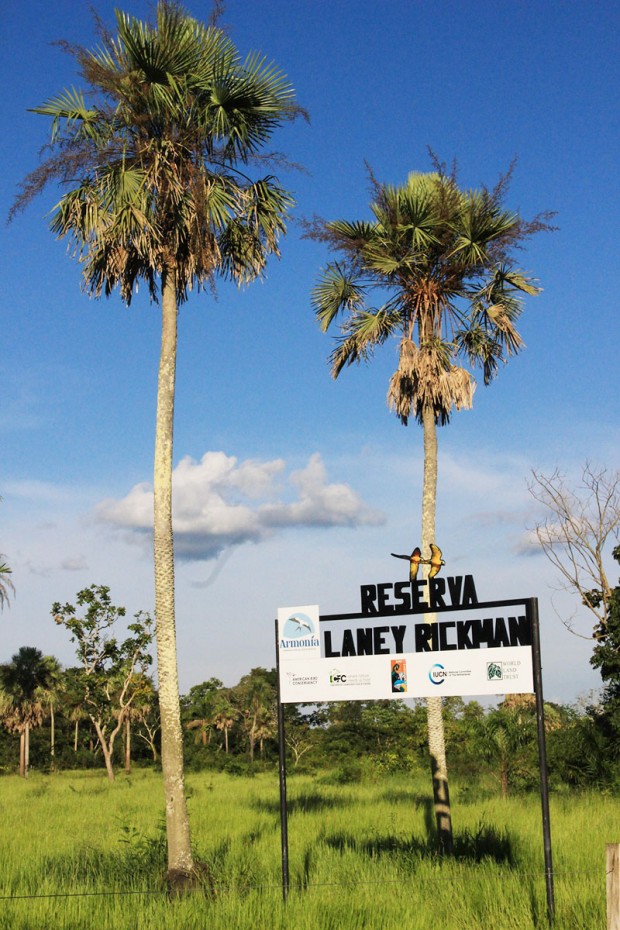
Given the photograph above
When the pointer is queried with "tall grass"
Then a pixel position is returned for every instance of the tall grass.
(77, 852)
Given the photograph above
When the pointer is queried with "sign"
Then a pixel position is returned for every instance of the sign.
(393, 649)
(396, 647)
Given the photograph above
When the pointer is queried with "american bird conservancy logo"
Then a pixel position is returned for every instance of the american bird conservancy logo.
(437, 674)
(296, 680)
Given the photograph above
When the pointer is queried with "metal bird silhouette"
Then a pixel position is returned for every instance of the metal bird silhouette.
(414, 561)
(435, 560)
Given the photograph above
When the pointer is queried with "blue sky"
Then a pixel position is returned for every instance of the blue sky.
(313, 483)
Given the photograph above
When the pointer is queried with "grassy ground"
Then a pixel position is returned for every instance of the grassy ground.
(360, 856)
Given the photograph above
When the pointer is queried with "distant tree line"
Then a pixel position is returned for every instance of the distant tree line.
(49, 724)
(104, 712)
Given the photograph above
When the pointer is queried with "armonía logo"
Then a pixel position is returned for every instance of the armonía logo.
(298, 632)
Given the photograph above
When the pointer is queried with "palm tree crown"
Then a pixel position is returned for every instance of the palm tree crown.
(26, 684)
(439, 259)
(175, 108)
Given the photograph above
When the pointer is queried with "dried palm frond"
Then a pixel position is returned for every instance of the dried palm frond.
(426, 377)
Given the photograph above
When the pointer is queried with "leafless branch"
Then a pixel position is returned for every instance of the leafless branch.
(575, 534)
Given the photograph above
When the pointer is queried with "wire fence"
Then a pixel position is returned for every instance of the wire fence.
(305, 886)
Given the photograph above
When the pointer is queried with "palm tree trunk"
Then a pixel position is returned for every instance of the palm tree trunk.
(504, 779)
(22, 754)
(26, 750)
(434, 709)
(75, 735)
(180, 860)
(52, 737)
(252, 741)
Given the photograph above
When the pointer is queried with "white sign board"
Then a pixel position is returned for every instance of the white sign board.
(395, 656)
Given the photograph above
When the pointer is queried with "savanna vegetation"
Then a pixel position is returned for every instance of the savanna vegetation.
(81, 852)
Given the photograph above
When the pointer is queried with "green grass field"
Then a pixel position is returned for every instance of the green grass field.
(360, 856)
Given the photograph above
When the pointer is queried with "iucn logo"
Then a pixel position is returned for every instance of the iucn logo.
(437, 674)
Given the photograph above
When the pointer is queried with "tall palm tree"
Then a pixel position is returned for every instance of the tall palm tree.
(508, 732)
(438, 262)
(54, 696)
(198, 707)
(224, 714)
(156, 194)
(256, 694)
(25, 681)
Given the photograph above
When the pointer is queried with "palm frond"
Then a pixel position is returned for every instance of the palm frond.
(6, 584)
(496, 307)
(337, 290)
(481, 349)
(70, 107)
(478, 225)
(427, 377)
(357, 232)
(519, 280)
(362, 333)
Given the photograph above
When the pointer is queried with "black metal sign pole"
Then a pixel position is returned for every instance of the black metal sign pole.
(282, 768)
(532, 610)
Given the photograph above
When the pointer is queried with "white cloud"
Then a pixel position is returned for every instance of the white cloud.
(220, 502)
(528, 544)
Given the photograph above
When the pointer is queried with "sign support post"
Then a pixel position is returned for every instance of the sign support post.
(532, 609)
(282, 773)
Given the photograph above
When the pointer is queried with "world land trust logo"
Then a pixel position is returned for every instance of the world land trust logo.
(506, 670)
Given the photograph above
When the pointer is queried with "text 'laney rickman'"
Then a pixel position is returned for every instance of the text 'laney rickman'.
(487, 632)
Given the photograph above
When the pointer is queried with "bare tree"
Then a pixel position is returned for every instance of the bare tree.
(581, 523)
